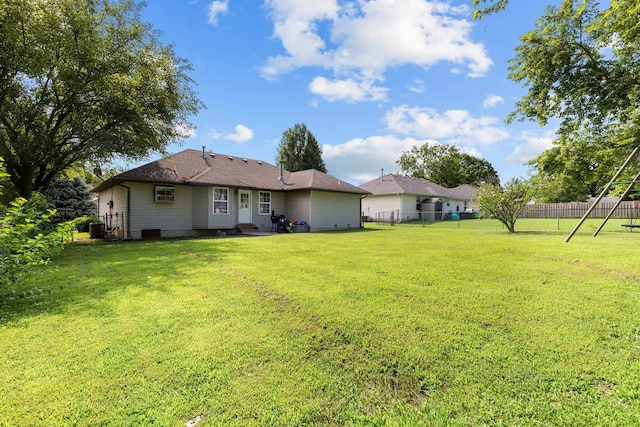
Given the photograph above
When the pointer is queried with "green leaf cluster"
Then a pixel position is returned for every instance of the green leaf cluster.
(27, 238)
(299, 150)
(84, 80)
(505, 203)
(492, 6)
(580, 65)
(445, 165)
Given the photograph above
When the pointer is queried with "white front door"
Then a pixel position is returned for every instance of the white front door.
(244, 207)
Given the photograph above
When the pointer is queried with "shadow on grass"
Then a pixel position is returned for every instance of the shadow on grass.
(84, 274)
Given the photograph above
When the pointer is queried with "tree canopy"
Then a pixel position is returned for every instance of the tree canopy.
(445, 165)
(71, 199)
(505, 203)
(85, 80)
(580, 64)
(577, 167)
(299, 150)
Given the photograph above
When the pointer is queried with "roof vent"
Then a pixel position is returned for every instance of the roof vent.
(245, 160)
(213, 155)
(259, 162)
(230, 157)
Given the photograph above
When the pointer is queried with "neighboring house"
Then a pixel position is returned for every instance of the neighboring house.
(411, 199)
(195, 193)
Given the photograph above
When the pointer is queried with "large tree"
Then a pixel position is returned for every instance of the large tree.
(299, 150)
(577, 167)
(84, 80)
(580, 65)
(71, 199)
(445, 165)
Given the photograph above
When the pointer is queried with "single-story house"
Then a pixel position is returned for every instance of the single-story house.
(194, 193)
(410, 199)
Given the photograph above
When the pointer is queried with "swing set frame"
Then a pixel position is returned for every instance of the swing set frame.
(632, 222)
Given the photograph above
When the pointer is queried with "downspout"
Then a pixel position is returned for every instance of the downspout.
(362, 212)
(128, 230)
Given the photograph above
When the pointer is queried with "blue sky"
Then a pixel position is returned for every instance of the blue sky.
(369, 78)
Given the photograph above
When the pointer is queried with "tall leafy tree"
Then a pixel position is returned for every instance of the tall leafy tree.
(84, 80)
(580, 65)
(579, 166)
(476, 171)
(299, 150)
(445, 165)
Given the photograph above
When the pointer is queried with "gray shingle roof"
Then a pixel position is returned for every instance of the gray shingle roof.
(192, 168)
(398, 184)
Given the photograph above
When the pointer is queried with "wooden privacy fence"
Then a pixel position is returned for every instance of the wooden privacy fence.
(629, 209)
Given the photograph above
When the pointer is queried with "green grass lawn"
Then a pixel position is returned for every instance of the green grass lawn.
(442, 324)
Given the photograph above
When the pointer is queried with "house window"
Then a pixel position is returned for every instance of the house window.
(265, 203)
(165, 193)
(220, 201)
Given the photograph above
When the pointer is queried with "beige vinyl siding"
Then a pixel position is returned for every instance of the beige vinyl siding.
(221, 221)
(454, 205)
(299, 206)
(116, 194)
(201, 206)
(174, 219)
(278, 203)
(263, 221)
(408, 211)
(374, 205)
(332, 211)
(113, 211)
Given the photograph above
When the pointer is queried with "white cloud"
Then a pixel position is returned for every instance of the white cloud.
(533, 146)
(213, 134)
(217, 8)
(242, 134)
(361, 159)
(348, 90)
(358, 40)
(417, 86)
(491, 101)
(459, 127)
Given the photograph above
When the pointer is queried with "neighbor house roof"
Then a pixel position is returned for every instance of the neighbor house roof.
(194, 167)
(399, 184)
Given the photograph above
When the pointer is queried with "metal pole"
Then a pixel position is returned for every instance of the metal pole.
(610, 214)
(604, 191)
